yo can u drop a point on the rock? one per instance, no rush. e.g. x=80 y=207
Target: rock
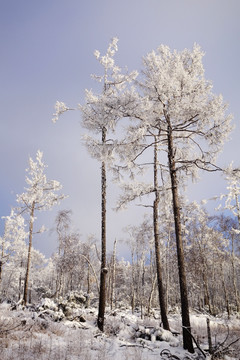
x=78 y=298
x=82 y=318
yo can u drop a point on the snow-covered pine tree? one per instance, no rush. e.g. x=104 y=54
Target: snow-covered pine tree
x=175 y=102
x=40 y=195
x=100 y=118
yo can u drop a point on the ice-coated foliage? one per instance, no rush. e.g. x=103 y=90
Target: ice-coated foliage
x=230 y=200
x=14 y=232
x=99 y=111
x=40 y=191
x=132 y=191
x=172 y=92
x=200 y=233
x=233 y=187
x=13 y=254
x=60 y=108
x=14 y=257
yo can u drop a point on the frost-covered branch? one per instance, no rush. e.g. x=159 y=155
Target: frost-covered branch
x=60 y=108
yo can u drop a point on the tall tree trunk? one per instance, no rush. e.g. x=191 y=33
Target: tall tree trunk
x=234 y=277
x=225 y=292
x=88 y=280
x=162 y=302
x=19 y=286
x=2 y=256
x=149 y=306
x=132 y=286
x=112 y=296
x=103 y=271
x=167 y=270
x=1 y=265
x=187 y=339
x=207 y=300
x=206 y=291
x=25 y=292
x=142 y=288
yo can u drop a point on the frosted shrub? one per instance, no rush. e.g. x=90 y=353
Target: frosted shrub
x=113 y=326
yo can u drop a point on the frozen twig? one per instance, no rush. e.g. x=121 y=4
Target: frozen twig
x=195 y=342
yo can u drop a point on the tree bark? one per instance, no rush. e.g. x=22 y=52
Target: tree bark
x=25 y=292
x=132 y=285
x=187 y=339
x=207 y=300
x=234 y=277
x=112 y=288
x=2 y=256
x=19 y=286
x=225 y=292
x=151 y=295
x=103 y=271
x=206 y=290
x=162 y=302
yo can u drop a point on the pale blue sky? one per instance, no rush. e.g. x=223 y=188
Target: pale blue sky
x=47 y=55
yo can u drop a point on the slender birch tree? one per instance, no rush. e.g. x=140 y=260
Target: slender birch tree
x=40 y=195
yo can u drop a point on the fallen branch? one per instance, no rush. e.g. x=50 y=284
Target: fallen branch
x=142 y=345
x=22 y=324
x=166 y=354
x=226 y=349
x=195 y=342
x=218 y=350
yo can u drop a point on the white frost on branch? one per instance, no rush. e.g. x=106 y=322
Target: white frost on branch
x=14 y=225
x=232 y=198
x=132 y=191
x=99 y=111
x=14 y=232
x=60 y=108
x=40 y=193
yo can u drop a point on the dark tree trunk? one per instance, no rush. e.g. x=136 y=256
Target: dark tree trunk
x=103 y=272
x=19 y=286
x=187 y=339
x=2 y=257
x=234 y=276
x=112 y=287
x=132 y=286
x=88 y=280
x=25 y=292
x=162 y=301
x=1 y=265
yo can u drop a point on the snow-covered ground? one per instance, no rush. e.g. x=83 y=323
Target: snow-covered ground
x=46 y=334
